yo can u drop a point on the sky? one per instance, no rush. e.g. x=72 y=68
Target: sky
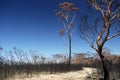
x=32 y=25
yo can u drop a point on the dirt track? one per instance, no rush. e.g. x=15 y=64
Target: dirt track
x=75 y=75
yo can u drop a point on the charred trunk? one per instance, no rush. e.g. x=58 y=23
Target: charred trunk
x=69 y=62
x=105 y=69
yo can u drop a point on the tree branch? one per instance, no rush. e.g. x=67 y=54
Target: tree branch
x=114 y=35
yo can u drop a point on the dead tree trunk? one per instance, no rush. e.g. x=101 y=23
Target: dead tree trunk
x=105 y=69
x=69 y=62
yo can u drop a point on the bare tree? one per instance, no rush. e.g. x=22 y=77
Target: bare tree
x=101 y=27
x=67 y=15
x=58 y=58
x=43 y=59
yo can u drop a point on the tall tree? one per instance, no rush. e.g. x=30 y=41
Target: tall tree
x=67 y=15
x=102 y=25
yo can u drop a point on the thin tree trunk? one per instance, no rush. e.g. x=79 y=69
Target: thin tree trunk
x=69 y=62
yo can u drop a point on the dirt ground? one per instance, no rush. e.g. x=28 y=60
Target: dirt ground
x=75 y=75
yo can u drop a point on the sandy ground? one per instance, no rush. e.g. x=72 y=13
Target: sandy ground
x=75 y=75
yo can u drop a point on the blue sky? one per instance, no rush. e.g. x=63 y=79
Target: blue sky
x=32 y=25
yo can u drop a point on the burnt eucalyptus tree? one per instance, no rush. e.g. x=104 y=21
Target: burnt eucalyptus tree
x=67 y=14
x=102 y=25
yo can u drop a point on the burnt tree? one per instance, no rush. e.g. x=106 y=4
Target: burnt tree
x=67 y=14
x=100 y=25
